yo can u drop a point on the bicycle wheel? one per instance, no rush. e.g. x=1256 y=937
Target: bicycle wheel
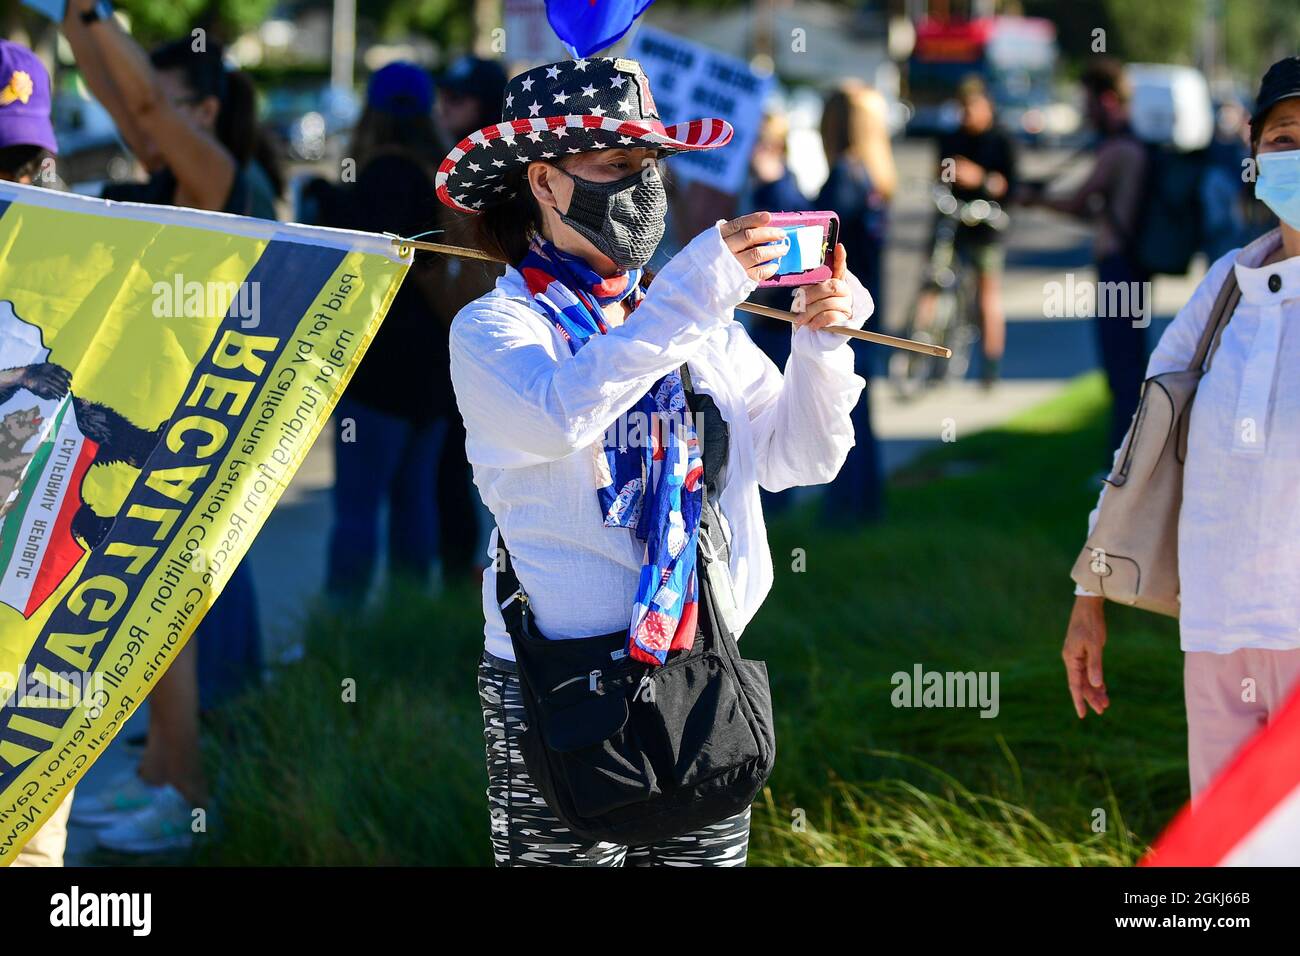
x=963 y=330
x=910 y=372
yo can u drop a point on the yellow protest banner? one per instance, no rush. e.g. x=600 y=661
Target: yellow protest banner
x=163 y=373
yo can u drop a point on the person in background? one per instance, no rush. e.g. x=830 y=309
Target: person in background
x=27 y=146
x=469 y=95
x=977 y=161
x=773 y=185
x=1113 y=192
x=469 y=98
x=861 y=182
x=1224 y=193
x=393 y=418
x=1239 y=524
x=773 y=188
x=192 y=124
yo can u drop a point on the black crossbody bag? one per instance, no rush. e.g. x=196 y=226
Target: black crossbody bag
x=632 y=754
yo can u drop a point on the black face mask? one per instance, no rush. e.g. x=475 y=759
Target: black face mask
x=623 y=219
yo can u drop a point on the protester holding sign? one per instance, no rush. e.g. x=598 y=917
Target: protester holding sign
x=558 y=371
x=192 y=123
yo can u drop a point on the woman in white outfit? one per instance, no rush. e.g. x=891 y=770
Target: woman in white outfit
x=1239 y=528
x=567 y=190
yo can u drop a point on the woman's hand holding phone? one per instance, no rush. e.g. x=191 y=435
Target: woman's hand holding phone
x=756 y=245
x=829 y=302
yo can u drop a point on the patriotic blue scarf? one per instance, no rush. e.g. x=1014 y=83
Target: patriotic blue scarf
x=649 y=470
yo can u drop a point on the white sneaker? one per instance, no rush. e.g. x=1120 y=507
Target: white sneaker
x=163 y=824
x=125 y=794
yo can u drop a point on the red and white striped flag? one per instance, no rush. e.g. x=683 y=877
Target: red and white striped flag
x=1250 y=815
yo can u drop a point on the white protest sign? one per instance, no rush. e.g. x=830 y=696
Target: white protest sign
x=691 y=81
x=529 y=37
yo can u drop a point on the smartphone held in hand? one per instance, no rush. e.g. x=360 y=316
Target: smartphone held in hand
x=812 y=237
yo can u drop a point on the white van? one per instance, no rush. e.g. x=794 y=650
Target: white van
x=1171 y=106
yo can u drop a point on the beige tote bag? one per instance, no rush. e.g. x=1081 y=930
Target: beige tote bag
x=1132 y=553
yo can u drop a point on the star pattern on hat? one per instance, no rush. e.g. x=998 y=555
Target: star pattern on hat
x=548 y=112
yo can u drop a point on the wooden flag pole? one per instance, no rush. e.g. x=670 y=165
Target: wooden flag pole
x=404 y=246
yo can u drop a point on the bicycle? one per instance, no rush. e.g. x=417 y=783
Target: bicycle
x=955 y=323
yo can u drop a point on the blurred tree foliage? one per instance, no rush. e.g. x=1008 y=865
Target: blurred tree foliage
x=450 y=21
x=1254 y=33
x=153 y=21
x=1157 y=31
x=1154 y=31
x=1259 y=32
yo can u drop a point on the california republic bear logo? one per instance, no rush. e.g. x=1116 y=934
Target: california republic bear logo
x=49 y=439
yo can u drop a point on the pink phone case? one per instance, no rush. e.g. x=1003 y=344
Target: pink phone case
x=830 y=224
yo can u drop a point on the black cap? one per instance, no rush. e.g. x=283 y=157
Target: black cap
x=1281 y=82
x=485 y=80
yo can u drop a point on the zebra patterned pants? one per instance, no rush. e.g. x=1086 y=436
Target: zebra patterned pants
x=526 y=833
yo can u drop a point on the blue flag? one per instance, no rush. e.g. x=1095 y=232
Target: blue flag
x=50 y=8
x=589 y=26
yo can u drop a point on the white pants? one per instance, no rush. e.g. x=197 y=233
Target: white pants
x=45 y=848
x=1230 y=697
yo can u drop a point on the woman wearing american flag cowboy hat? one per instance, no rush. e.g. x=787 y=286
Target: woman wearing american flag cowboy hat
x=551 y=366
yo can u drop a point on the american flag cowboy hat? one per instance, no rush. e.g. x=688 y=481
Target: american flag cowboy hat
x=552 y=111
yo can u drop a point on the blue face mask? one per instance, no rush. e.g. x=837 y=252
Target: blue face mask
x=1278 y=187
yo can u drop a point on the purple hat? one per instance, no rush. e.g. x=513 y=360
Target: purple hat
x=24 y=99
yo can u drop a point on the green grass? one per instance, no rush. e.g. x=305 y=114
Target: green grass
x=969 y=573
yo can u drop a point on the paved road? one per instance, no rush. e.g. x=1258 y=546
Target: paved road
x=1042 y=354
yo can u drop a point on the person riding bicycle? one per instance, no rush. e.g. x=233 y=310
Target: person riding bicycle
x=976 y=161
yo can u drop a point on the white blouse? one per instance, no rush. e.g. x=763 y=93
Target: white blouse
x=535 y=417
x=1239 y=529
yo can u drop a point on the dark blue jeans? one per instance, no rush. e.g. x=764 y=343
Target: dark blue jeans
x=773 y=337
x=229 y=640
x=1121 y=342
x=393 y=460
x=858 y=491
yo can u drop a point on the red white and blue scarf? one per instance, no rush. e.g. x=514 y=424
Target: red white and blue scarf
x=649 y=470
